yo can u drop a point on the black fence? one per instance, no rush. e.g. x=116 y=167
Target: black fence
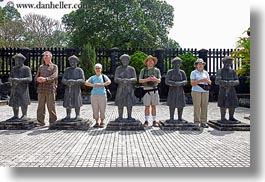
x=109 y=58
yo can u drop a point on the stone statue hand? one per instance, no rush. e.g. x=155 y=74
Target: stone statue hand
x=223 y=83
x=14 y=81
x=125 y=81
x=71 y=82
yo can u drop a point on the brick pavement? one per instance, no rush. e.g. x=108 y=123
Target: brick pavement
x=153 y=147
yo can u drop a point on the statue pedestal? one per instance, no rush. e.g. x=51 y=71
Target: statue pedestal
x=125 y=124
x=228 y=125
x=71 y=124
x=18 y=124
x=178 y=125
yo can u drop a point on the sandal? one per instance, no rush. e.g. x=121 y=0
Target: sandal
x=38 y=124
x=102 y=125
x=155 y=124
x=96 y=125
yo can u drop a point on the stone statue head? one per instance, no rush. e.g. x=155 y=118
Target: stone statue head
x=73 y=61
x=125 y=59
x=176 y=62
x=227 y=61
x=19 y=59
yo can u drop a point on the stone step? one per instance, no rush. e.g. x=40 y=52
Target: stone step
x=125 y=125
x=228 y=127
x=181 y=126
x=18 y=124
x=71 y=125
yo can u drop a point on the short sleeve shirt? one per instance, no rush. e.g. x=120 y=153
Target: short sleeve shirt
x=198 y=75
x=145 y=73
x=98 y=79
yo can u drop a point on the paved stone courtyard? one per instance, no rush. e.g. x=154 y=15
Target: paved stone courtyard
x=97 y=147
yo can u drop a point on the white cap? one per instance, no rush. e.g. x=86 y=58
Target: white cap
x=98 y=65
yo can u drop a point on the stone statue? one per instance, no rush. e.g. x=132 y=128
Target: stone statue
x=125 y=77
x=176 y=79
x=227 y=79
x=73 y=78
x=19 y=78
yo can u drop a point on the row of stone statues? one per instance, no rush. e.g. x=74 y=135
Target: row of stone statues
x=125 y=77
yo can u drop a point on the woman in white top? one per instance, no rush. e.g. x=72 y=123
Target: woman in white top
x=200 y=82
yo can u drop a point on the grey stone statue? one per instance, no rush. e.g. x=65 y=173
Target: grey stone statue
x=19 y=78
x=176 y=79
x=125 y=77
x=227 y=79
x=73 y=78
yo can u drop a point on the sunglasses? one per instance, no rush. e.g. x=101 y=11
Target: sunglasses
x=97 y=68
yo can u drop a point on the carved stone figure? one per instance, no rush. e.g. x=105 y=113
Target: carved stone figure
x=73 y=78
x=176 y=79
x=227 y=79
x=125 y=77
x=19 y=78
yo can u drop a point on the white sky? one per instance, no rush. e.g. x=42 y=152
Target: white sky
x=197 y=23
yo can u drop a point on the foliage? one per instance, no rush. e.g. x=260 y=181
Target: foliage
x=42 y=31
x=9 y=13
x=123 y=24
x=32 y=31
x=11 y=27
x=88 y=60
x=137 y=61
x=87 y=63
x=187 y=64
x=243 y=53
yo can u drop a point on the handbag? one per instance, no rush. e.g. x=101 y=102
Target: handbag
x=109 y=95
x=205 y=87
x=139 y=92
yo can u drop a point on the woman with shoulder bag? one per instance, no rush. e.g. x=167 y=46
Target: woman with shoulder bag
x=200 y=82
x=98 y=94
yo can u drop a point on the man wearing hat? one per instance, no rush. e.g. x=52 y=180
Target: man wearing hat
x=125 y=77
x=20 y=76
x=47 y=79
x=200 y=82
x=176 y=79
x=73 y=78
x=227 y=79
x=150 y=77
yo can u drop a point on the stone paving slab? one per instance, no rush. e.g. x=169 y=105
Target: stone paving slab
x=98 y=147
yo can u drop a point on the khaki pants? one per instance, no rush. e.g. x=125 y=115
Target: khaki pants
x=48 y=99
x=99 y=103
x=200 y=103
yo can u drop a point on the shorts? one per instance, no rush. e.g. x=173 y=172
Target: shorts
x=151 y=98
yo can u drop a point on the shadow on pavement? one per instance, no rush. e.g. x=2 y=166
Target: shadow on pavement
x=40 y=131
x=99 y=131
x=191 y=132
x=160 y=132
x=12 y=132
x=220 y=133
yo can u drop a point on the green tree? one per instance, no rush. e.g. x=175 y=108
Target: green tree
x=243 y=53
x=137 y=61
x=88 y=60
x=187 y=64
x=87 y=63
x=122 y=24
x=11 y=28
